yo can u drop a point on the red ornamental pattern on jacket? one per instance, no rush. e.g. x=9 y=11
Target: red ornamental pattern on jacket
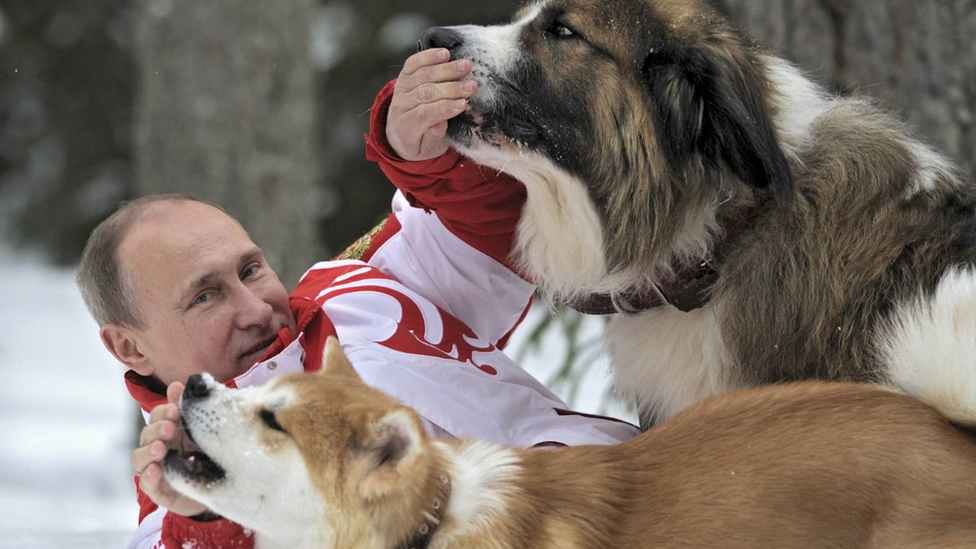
x=415 y=326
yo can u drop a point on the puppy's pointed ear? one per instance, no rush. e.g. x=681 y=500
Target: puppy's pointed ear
x=389 y=453
x=334 y=360
x=708 y=99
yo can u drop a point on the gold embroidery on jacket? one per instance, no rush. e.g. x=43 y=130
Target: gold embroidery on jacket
x=358 y=248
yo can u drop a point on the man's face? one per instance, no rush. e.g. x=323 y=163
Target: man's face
x=209 y=300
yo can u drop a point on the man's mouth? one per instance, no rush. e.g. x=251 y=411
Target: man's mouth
x=257 y=352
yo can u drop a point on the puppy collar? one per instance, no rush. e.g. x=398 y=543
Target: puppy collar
x=431 y=516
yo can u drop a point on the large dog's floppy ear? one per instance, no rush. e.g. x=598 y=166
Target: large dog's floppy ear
x=390 y=449
x=334 y=360
x=709 y=102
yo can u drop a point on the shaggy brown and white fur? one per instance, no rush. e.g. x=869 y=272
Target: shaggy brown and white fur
x=654 y=139
x=322 y=461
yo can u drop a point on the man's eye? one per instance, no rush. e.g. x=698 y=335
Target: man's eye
x=249 y=271
x=270 y=421
x=202 y=298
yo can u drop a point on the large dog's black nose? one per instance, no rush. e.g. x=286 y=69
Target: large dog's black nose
x=196 y=387
x=439 y=37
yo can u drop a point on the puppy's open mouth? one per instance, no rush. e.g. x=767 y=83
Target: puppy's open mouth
x=194 y=466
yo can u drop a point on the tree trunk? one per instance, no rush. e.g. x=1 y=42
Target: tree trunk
x=916 y=56
x=225 y=112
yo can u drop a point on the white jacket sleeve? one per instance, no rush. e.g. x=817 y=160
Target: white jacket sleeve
x=476 y=289
x=149 y=533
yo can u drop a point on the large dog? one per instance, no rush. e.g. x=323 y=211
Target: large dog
x=324 y=461
x=788 y=233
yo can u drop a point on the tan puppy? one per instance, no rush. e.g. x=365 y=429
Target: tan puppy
x=324 y=461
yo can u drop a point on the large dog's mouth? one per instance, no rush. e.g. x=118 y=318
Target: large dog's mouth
x=492 y=127
x=194 y=466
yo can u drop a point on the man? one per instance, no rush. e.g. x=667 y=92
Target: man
x=178 y=288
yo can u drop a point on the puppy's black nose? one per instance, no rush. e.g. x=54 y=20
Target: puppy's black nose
x=439 y=37
x=196 y=387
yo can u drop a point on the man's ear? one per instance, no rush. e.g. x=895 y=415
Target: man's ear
x=124 y=346
x=334 y=361
x=389 y=453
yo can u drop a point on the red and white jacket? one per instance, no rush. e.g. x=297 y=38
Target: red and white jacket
x=422 y=313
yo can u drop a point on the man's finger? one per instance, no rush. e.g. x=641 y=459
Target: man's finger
x=161 y=429
x=152 y=482
x=164 y=412
x=424 y=58
x=434 y=114
x=438 y=130
x=444 y=101
x=434 y=74
x=429 y=93
x=174 y=391
x=144 y=456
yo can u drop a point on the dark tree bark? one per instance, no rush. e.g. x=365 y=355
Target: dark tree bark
x=916 y=56
x=225 y=111
x=65 y=120
x=374 y=37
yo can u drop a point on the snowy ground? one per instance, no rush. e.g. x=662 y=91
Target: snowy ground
x=68 y=425
x=65 y=420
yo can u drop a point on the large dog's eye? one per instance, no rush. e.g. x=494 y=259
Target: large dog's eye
x=559 y=29
x=269 y=419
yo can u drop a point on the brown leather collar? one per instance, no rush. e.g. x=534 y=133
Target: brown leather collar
x=431 y=517
x=689 y=288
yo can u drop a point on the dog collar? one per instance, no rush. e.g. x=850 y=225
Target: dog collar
x=689 y=287
x=431 y=517
x=687 y=290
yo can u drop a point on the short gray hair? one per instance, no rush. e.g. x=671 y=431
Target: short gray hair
x=106 y=284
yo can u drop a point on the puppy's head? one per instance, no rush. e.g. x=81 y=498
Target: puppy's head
x=656 y=107
x=306 y=456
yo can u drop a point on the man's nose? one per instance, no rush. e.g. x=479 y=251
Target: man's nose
x=253 y=311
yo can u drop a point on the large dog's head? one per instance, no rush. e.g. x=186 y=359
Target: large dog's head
x=657 y=110
x=304 y=459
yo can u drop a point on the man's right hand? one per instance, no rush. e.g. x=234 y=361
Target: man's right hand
x=162 y=433
x=430 y=90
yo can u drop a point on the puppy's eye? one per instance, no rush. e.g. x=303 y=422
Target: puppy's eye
x=269 y=419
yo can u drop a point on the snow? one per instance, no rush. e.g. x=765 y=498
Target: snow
x=66 y=421
x=68 y=425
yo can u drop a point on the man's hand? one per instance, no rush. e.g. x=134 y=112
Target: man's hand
x=428 y=92
x=163 y=432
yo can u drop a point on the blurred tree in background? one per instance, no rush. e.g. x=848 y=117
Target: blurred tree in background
x=66 y=93
x=225 y=110
x=80 y=91
x=86 y=120
x=916 y=56
x=70 y=77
